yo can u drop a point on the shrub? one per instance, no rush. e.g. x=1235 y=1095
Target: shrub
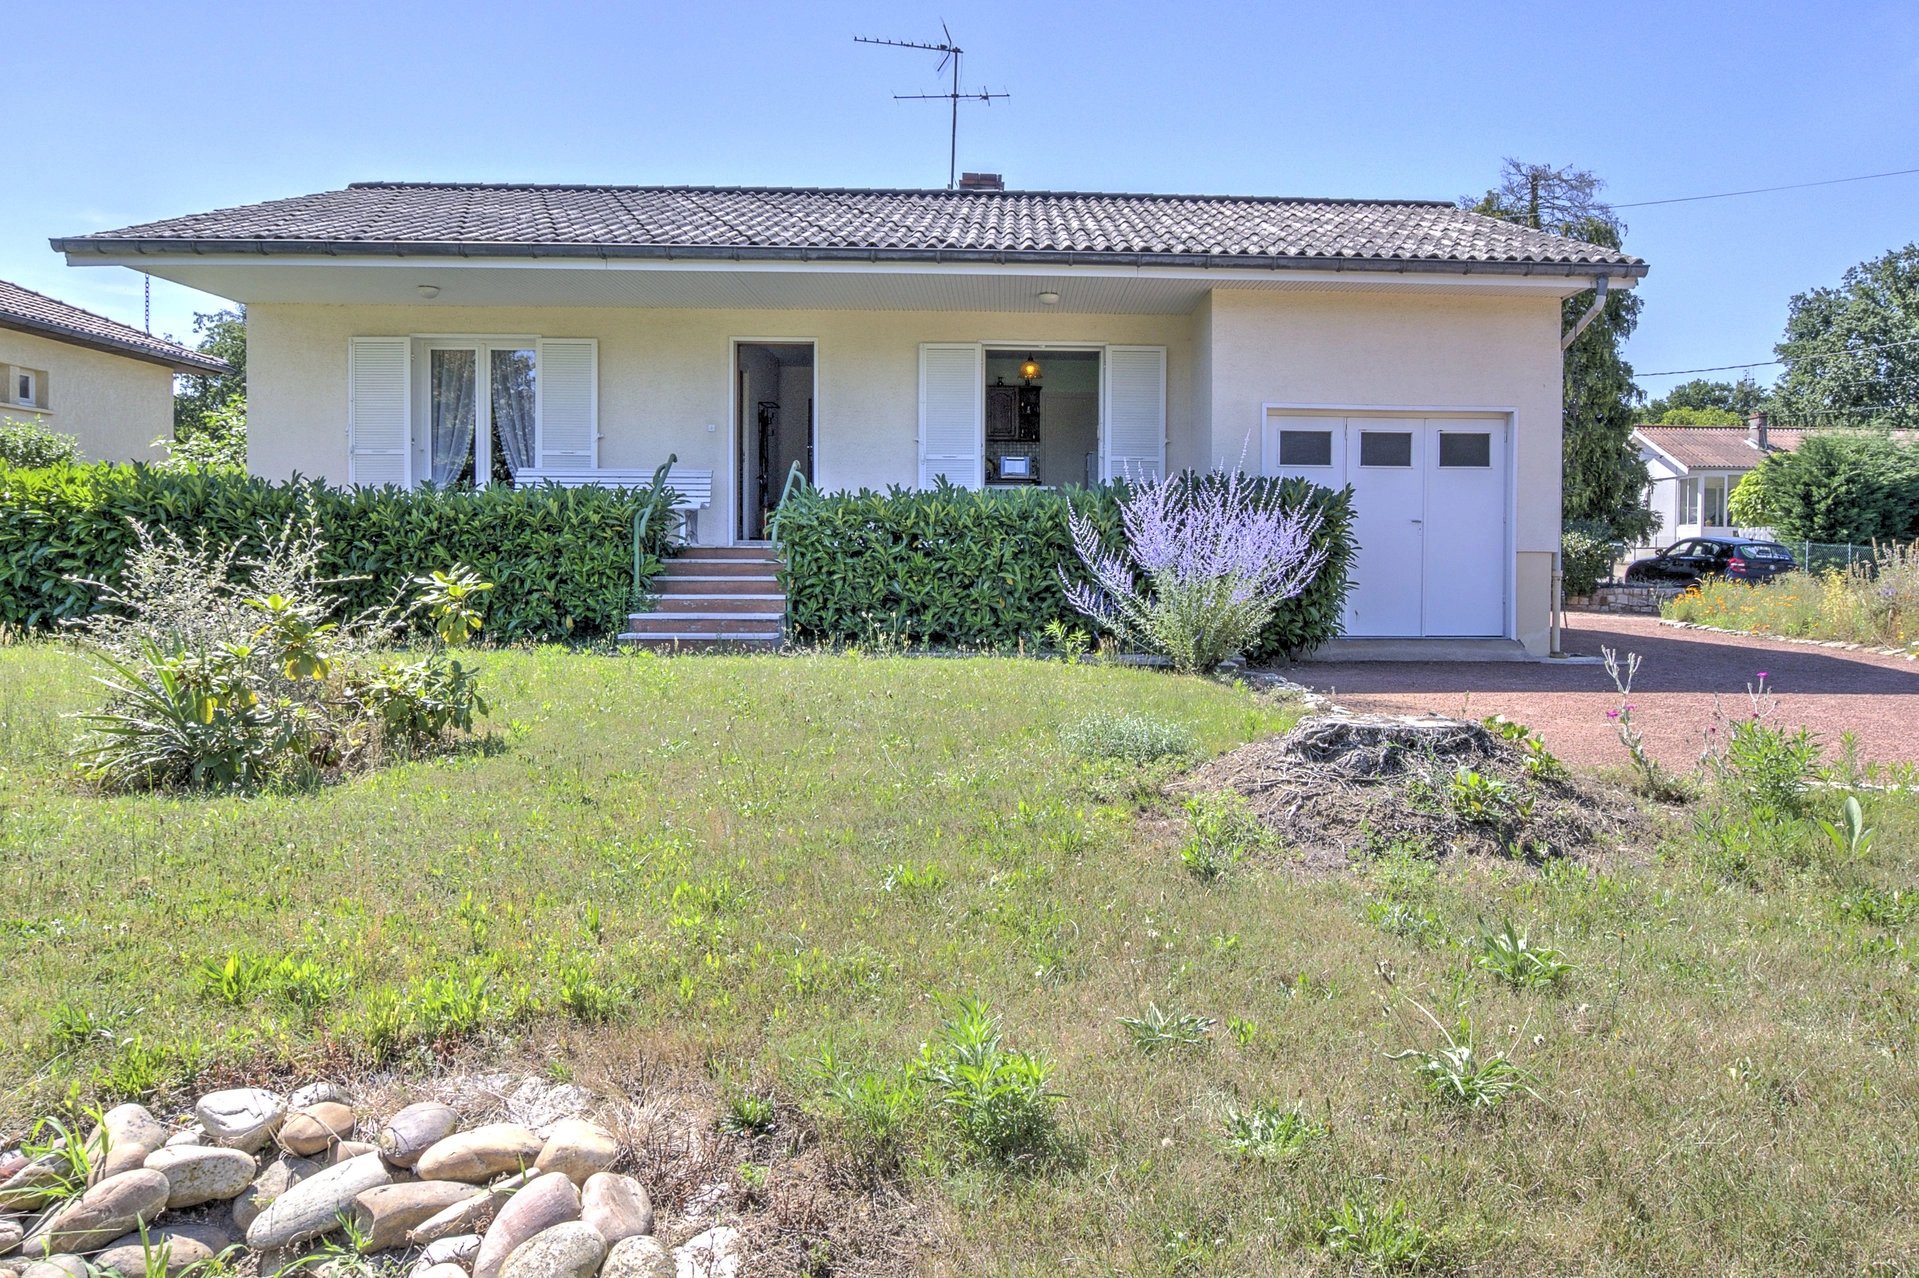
x=998 y=1099
x=219 y=442
x=31 y=445
x=1207 y=560
x=562 y=557
x=1131 y=738
x=963 y=568
x=1844 y=486
x=1585 y=559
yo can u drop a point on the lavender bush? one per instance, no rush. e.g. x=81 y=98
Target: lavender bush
x=1207 y=560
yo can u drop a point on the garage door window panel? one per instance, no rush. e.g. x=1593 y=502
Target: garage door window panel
x=1386 y=449
x=1308 y=448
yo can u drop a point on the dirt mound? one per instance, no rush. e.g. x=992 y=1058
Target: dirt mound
x=1341 y=785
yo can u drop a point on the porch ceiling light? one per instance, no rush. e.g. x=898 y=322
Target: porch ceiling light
x=429 y=291
x=1049 y=298
x=1029 y=371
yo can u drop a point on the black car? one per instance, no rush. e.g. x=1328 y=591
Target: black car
x=1697 y=557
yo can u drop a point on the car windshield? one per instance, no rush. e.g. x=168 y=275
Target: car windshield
x=1764 y=550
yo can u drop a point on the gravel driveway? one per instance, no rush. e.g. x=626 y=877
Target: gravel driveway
x=1684 y=675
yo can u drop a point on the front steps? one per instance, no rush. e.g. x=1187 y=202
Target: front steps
x=714 y=596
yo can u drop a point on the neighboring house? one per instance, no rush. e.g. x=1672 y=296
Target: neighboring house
x=405 y=332
x=107 y=384
x=1694 y=469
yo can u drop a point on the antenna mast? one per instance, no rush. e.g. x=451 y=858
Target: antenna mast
x=949 y=52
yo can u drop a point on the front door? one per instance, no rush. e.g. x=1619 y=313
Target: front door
x=773 y=392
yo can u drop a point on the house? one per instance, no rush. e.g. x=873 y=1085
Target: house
x=400 y=333
x=107 y=384
x=1693 y=470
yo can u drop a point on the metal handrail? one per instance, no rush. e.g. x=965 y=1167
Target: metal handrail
x=793 y=476
x=643 y=518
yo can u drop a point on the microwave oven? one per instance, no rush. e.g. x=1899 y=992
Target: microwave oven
x=1018 y=466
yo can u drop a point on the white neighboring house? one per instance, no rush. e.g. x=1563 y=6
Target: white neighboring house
x=107 y=384
x=402 y=333
x=1694 y=469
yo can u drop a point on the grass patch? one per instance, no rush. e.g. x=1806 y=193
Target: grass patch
x=901 y=926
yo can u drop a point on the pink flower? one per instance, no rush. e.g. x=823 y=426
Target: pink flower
x=1612 y=714
x=1762 y=674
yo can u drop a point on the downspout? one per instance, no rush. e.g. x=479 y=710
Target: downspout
x=1592 y=312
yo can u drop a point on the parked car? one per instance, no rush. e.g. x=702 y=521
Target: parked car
x=1697 y=557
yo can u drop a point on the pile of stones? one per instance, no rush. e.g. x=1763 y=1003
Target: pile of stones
x=307 y=1183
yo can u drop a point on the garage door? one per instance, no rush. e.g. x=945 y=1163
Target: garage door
x=1430 y=505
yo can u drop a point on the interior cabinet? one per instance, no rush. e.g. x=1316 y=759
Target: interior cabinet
x=1012 y=414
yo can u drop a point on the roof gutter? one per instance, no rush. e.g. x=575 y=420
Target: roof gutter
x=1592 y=312
x=89 y=246
x=187 y=362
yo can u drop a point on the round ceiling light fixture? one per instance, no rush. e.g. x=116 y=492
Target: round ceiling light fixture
x=429 y=291
x=1030 y=369
x=1049 y=298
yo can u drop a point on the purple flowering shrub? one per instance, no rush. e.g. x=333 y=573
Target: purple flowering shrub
x=1206 y=562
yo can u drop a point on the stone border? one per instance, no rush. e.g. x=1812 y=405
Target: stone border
x=1837 y=644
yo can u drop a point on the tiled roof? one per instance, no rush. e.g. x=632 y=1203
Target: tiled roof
x=1716 y=447
x=24 y=310
x=398 y=218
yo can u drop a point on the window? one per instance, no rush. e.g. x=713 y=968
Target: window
x=1385 y=448
x=1713 y=501
x=1688 y=501
x=1305 y=448
x=479 y=399
x=26 y=387
x=1465 y=448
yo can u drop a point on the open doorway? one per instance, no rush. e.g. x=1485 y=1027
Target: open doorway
x=1042 y=417
x=773 y=394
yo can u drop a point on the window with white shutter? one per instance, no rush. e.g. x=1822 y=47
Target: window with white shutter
x=1133 y=438
x=379 y=400
x=952 y=414
x=568 y=391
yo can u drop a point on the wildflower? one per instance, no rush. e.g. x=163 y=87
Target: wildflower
x=1612 y=714
x=1762 y=674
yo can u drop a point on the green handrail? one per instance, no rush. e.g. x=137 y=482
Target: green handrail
x=642 y=520
x=793 y=475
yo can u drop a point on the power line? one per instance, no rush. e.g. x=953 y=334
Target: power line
x=1763 y=190
x=1765 y=363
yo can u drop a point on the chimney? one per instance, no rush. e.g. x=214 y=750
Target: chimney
x=982 y=182
x=1756 y=431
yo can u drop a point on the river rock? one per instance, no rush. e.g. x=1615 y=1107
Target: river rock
x=309 y=1208
x=317 y=1093
x=104 y=1212
x=414 y=1130
x=201 y=1173
x=549 y=1200
x=577 y=1148
x=185 y=1247
x=386 y=1213
x=33 y=1186
x=131 y=1133
x=56 y=1267
x=445 y=1269
x=480 y=1154
x=242 y=1117
x=718 y=1253
x=311 y=1130
x=275 y=1179
x=469 y=1216
x=11 y=1232
x=617 y=1206
x=641 y=1256
x=572 y=1250
x=191 y=1136
x=459 y=1249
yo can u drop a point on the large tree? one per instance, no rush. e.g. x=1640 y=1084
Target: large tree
x=203 y=401
x=1702 y=402
x=1852 y=352
x=1603 y=474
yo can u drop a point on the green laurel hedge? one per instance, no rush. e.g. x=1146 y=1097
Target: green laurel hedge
x=561 y=559
x=954 y=567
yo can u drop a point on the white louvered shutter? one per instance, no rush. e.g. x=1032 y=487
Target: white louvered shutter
x=952 y=414
x=567 y=392
x=1133 y=443
x=378 y=410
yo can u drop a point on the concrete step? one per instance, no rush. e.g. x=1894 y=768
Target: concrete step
x=725 y=623
x=773 y=605
x=706 y=584
x=727 y=552
x=700 y=642
x=681 y=566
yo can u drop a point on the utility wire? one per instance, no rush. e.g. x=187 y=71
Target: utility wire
x=1763 y=190
x=1764 y=363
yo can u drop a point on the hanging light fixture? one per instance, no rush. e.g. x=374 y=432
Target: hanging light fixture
x=1029 y=371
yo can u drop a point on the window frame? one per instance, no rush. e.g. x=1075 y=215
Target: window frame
x=420 y=443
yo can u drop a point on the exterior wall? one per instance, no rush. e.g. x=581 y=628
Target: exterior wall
x=666 y=379
x=114 y=405
x=1357 y=350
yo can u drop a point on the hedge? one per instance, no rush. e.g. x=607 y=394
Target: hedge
x=561 y=559
x=955 y=567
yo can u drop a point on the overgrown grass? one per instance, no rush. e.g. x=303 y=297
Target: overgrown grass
x=807 y=877
x=1869 y=604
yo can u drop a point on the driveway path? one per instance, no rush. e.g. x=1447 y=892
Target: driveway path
x=1683 y=674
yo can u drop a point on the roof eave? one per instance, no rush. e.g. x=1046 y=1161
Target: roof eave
x=85 y=246
x=186 y=363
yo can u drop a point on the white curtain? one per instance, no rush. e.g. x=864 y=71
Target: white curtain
x=512 y=403
x=452 y=387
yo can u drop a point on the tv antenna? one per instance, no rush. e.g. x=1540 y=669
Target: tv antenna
x=949 y=52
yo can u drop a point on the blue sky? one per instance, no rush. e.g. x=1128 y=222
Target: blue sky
x=118 y=113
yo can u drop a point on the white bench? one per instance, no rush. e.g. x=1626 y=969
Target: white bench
x=694 y=485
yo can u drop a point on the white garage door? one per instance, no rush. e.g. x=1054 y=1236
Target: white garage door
x=1430 y=505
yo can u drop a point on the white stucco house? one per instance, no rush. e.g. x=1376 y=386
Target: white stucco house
x=406 y=332
x=105 y=383
x=1693 y=469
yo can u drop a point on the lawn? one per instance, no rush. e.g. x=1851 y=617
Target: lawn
x=774 y=875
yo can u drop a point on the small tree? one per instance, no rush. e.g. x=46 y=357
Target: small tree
x=1217 y=557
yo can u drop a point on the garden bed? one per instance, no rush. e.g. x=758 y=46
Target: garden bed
x=1340 y=785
